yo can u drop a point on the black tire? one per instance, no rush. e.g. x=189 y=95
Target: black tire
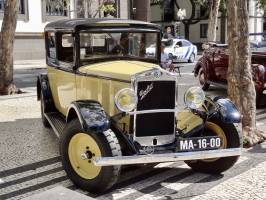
x=202 y=81
x=260 y=102
x=191 y=58
x=219 y=165
x=108 y=145
x=44 y=109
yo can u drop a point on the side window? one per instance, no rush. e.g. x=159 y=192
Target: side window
x=65 y=47
x=185 y=43
x=50 y=47
x=179 y=44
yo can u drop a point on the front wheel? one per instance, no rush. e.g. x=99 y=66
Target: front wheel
x=78 y=148
x=191 y=58
x=202 y=80
x=230 y=139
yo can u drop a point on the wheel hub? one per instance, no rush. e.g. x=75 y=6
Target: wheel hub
x=82 y=148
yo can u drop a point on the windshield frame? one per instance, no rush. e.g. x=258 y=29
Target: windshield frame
x=80 y=63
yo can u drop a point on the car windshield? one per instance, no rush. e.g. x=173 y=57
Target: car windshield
x=117 y=45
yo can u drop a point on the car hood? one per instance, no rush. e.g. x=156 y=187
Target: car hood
x=121 y=70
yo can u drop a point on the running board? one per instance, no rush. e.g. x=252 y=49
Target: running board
x=57 y=122
x=167 y=157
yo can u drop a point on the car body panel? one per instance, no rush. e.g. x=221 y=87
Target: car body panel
x=63 y=87
x=100 y=90
x=122 y=70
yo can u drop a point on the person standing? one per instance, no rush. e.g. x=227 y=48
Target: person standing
x=168 y=33
x=166 y=62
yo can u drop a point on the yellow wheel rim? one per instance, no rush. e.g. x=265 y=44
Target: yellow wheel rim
x=218 y=131
x=83 y=144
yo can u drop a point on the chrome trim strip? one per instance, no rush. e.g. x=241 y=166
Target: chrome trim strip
x=153 y=111
x=167 y=157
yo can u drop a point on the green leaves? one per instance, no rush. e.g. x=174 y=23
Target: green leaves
x=261 y=4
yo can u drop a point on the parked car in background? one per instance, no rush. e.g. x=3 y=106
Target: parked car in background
x=211 y=68
x=180 y=50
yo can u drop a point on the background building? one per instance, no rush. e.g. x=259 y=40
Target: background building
x=35 y=14
x=195 y=23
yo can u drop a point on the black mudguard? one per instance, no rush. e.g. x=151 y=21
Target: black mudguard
x=44 y=88
x=228 y=111
x=91 y=115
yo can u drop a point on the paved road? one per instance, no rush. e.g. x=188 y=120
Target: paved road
x=30 y=162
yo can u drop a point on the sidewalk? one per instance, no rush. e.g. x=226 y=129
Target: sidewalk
x=29 y=64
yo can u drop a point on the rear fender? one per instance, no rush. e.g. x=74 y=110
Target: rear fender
x=91 y=115
x=44 y=88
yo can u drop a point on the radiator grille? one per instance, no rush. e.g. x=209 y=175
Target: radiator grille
x=153 y=95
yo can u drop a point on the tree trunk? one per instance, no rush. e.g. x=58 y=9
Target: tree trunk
x=6 y=47
x=241 y=87
x=143 y=11
x=214 y=10
x=186 y=26
x=80 y=9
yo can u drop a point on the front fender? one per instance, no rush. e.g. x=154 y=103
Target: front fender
x=91 y=115
x=228 y=111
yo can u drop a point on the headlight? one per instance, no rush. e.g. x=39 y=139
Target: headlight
x=126 y=100
x=194 y=97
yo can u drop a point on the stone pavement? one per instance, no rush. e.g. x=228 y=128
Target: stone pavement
x=59 y=193
x=30 y=162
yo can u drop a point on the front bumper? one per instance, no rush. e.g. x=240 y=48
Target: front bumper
x=167 y=157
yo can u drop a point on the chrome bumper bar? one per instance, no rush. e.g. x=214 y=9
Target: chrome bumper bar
x=167 y=157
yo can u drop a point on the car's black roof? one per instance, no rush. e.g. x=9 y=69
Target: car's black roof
x=74 y=24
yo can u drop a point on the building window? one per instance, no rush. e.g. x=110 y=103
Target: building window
x=21 y=6
x=53 y=10
x=22 y=9
x=1 y=5
x=203 y=30
x=56 y=8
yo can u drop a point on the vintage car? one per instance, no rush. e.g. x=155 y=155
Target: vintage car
x=179 y=49
x=111 y=105
x=211 y=68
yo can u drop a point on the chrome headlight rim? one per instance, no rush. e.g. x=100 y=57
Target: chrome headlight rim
x=129 y=91
x=191 y=104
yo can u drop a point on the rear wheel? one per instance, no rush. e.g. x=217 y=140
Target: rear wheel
x=78 y=148
x=191 y=58
x=230 y=139
x=44 y=108
x=202 y=80
x=260 y=100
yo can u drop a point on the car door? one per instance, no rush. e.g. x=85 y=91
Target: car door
x=220 y=64
x=178 y=49
x=61 y=75
x=187 y=49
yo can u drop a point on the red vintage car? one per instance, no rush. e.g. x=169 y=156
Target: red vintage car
x=211 y=68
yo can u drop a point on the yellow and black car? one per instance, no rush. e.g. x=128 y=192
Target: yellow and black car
x=111 y=104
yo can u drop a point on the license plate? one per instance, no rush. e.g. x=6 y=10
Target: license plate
x=199 y=143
